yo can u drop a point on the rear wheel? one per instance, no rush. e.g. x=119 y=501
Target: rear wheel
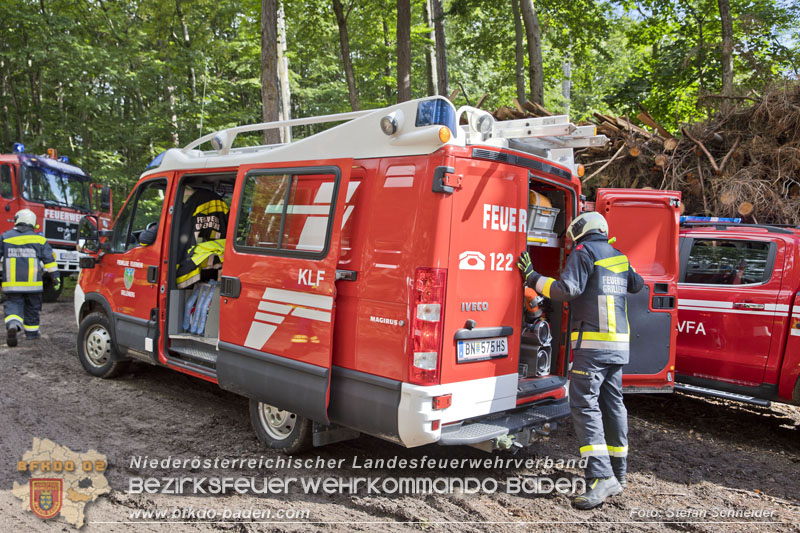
x=50 y=293
x=96 y=349
x=279 y=429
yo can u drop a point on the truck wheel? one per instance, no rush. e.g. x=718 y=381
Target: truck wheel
x=279 y=429
x=96 y=350
x=50 y=294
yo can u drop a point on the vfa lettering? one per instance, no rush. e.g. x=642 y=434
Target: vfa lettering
x=690 y=326
x=501 y=218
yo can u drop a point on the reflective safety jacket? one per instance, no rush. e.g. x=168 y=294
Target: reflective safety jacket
x=22 y=251
x=206 y=255
x=596 y=279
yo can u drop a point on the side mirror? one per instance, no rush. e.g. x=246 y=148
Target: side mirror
x=88 y=236
x=105 y=199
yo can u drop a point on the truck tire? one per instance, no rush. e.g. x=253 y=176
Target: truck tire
x=279 y=429
x=49 y=293
x=96 y=349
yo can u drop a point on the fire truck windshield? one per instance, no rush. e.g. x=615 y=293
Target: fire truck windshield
x=55 y=188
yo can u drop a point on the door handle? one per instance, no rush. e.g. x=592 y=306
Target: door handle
x=231 y=287
x=747 y=305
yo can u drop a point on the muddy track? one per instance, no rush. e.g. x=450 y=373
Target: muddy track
x=688 y=455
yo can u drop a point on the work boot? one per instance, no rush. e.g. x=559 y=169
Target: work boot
x=599 y=490
x=621 y=479
x=33 y=336
x=11 y=336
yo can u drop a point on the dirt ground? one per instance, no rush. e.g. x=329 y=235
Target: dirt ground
x=694 y=463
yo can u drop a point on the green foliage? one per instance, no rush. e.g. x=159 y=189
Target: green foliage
x=113 y=83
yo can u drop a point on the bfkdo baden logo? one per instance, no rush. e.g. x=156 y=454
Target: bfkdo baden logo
x=46 y=497
x=62 y=482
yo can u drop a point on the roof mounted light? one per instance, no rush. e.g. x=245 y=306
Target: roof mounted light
x=392 y=122
x=19 y=148
x=64 y=159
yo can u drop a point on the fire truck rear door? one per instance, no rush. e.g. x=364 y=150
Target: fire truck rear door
x=646 y=226
x=278 y=283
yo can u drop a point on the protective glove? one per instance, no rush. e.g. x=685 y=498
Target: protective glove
x=529 y=275
x=55 y=277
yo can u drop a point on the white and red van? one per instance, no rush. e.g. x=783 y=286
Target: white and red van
x=368 y=281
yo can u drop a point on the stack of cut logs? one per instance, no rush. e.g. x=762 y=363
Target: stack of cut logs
x=744 y=161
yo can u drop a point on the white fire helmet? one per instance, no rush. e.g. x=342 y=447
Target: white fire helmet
x=25 y=216
x=587 y=224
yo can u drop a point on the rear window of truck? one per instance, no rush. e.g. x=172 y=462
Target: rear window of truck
x=728 y=262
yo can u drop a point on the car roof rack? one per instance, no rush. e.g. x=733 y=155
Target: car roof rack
x=726 y=225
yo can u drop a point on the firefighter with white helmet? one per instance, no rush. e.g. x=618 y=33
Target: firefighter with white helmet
x=596 y=279
x=25 y=254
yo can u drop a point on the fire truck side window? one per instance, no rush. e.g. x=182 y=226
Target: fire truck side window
x=284 y=212
x=728 y=262
x=6 y=189
x=146 y=212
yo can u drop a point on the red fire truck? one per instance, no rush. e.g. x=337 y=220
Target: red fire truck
x=60 y=194
x=739 y=312
x=364 y=279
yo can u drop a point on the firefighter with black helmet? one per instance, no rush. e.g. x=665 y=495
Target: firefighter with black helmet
x=25 y=254
x=596 y=279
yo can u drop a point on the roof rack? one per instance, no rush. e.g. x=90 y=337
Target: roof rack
x=725 y=225
x=222 y=140
x=417 y=130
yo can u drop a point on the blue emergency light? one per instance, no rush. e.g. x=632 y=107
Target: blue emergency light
x=64 y=159
x=711 y=219
x=19 y=148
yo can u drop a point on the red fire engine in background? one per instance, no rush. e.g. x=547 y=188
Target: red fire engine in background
x=364 y=278
x=60 y=194
x=739 y=311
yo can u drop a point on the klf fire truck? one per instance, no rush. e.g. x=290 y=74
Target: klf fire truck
x=739 y=311
x=60 y=194
x=363 y=279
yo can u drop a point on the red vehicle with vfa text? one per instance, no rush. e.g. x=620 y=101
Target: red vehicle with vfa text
x=363 y=279
x=739 y=311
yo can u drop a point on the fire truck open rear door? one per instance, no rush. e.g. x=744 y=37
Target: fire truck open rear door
x=646 y=224
x=278 y=283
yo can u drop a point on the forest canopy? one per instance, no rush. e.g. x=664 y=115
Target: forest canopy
x=112 y=83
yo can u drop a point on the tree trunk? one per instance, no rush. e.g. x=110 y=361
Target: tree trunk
x=442 y=77
x=270 y=94
x=344 y=44
x=534 y=51
x=430 y=58
x=187 y=43
x=387 y=73
x=566 y=84
x=519 y=52
x=283 y=77
x=727 y=46
x=173 y=114
x=403 y=50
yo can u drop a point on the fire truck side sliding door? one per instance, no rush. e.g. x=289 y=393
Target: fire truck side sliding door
x=278 y=283
x=646 y=226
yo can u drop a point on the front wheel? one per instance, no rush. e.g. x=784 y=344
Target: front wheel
x=96 y=349
x=279 y=429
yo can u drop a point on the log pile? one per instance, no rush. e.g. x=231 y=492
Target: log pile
x=742 y=162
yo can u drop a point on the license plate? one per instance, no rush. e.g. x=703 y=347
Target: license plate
x=482 y=349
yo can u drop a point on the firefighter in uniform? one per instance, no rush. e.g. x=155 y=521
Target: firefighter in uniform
x=596 y=279
x=22 y=251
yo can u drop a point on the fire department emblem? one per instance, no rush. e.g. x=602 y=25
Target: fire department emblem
x=46 y=497
x=128 y=278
